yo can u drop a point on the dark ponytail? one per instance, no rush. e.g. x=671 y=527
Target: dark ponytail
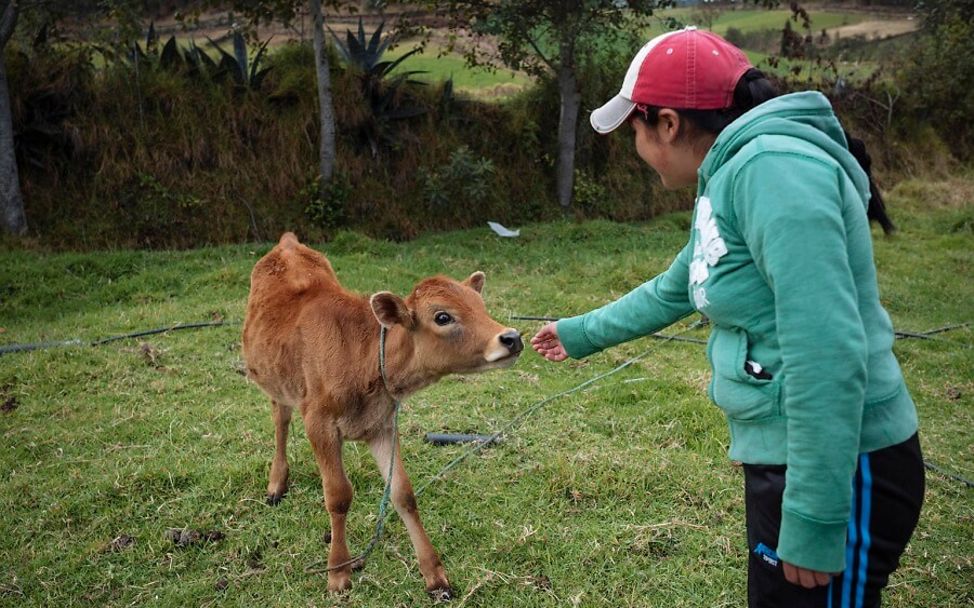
x=753 y=89
x=876 y=211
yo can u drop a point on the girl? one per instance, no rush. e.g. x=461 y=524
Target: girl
x=780 y=260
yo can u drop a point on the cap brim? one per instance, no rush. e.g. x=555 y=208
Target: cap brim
x=612 y=114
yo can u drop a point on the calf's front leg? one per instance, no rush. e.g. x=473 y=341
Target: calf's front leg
x=326 y=442
x=382 y=446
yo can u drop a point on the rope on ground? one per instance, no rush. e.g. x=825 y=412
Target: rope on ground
x=22 y=348
x=941 y=471
x=514 y=422
x=928 y=335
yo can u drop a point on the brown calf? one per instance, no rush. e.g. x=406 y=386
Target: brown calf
x=310 y=344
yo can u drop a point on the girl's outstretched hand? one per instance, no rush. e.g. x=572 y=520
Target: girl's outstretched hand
x=548 y=345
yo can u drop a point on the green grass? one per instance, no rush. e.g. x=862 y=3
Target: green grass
x=618 y=495
x=476 y=82
x=757 y=20
x=752 y=20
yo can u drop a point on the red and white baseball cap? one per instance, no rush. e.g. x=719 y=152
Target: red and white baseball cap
x=688 y=69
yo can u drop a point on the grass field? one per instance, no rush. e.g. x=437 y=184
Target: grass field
x=481 y=83
x=750 y=20
x=617 y=495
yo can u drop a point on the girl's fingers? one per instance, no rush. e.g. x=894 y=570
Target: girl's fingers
x=547 y=344
x=791 y=574
x=805 y=577
x=542 y=335
x=548 y=332
x=554 y=352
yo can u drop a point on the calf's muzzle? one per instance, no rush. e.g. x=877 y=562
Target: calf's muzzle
x=512 y=340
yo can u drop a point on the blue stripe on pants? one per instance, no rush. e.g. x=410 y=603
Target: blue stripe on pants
x=867 y=483
x=850 y=549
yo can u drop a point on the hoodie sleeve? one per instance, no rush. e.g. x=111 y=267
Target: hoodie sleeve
x=653 y=305
x=795 y=229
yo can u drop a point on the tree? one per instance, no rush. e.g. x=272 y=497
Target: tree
x=326 y=108
x=546 y=37
x=285 y=11
x=936 y=81
x=11 y=200
x=40 y=19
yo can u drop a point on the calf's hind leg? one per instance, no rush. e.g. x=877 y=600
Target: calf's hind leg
x=277 y=486
x=404 y=500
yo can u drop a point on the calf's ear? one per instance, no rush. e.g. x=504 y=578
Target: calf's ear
x=390 y=310
x=476 y=281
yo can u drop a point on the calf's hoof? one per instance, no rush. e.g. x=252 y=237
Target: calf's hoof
x=440 y=594
x=437 y=585
x=274 y=499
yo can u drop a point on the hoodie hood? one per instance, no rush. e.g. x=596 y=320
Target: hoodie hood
x=807 y=116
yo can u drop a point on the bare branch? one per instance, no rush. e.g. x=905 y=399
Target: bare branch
x=537 y=50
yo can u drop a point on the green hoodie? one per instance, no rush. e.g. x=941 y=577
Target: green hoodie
x=780 y=259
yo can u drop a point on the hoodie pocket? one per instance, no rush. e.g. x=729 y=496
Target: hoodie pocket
x=741 y=395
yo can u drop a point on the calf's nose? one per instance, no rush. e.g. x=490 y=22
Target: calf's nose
x=512 y=340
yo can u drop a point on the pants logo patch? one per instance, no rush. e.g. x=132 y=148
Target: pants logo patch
x=767 y=554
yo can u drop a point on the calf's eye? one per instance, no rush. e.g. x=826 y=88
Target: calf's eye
x=443 y=318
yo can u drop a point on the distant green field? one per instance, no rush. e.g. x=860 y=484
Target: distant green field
x=751 y=20
x=480 y=82
x=809 y=69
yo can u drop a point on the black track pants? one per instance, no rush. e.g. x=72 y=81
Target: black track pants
x=887 y=494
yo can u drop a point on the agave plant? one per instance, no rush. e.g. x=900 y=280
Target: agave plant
x=198 y=64
x=192 y=61
x=382 y=93
x=366 y=54
x=236 y=64
x=145 y=54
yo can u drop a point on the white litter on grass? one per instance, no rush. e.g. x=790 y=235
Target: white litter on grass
x=502 y=231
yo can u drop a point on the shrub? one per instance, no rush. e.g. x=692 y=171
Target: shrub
x=465 y=180
x=591 y=197
x=326 y=209
x=936 y=82
x=154 y=214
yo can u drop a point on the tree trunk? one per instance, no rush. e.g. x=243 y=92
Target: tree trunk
x=326 y=109
x=571 y=99
x=11 y=201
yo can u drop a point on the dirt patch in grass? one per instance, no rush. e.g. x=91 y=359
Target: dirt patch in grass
x=184 y=537
x=9 y=404
x=119 y=543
